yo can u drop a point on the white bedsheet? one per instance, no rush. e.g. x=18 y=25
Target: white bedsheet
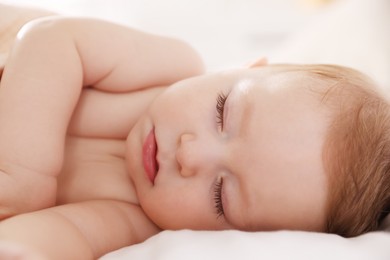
x=195 y=245
x=277 y=245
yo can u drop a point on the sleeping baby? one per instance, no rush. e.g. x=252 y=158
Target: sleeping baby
x=109 y=135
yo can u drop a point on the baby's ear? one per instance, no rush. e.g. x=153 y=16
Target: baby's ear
x=258 y=63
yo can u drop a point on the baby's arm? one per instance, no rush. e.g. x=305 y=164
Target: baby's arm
x=49 y=64
x=85 y=230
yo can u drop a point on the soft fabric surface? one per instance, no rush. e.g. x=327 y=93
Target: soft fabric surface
x=194 y=245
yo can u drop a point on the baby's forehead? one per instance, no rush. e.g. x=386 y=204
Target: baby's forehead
x=282 y=79
x=325 y=83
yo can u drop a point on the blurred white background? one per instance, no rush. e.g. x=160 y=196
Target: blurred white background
x=225 y=32
x=231 y=33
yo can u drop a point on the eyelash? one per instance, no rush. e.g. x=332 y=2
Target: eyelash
x=218 y=198
x=221 y=100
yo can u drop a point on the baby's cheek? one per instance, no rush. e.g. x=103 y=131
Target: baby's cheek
x=165 y=210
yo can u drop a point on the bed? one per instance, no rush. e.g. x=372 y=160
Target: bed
x=353 y=33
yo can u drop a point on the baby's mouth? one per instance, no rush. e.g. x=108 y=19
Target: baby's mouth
x=149 y=156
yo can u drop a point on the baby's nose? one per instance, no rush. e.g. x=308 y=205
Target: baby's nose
x=193 y=154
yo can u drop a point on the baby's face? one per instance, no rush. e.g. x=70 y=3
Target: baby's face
x=240 y=149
